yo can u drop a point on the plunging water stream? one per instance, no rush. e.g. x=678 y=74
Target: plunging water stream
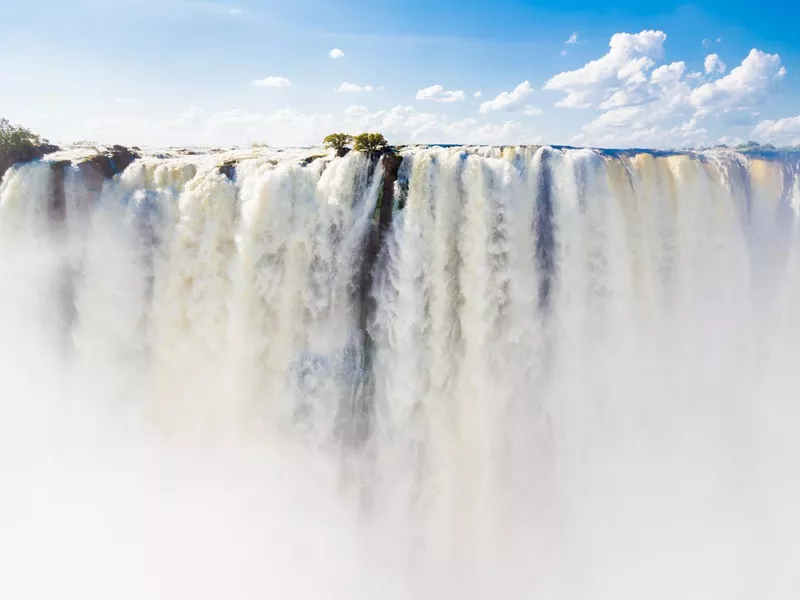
x=559 y=374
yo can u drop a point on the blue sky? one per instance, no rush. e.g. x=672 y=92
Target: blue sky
x=616 y=74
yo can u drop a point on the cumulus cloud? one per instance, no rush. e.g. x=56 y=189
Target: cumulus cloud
x=781 y=131
x=437 y=93
x=745 y=86
x=273 y=82
x=530 y=111
x=626 y=64
x=508 y=100
x=654 y=112
x=713 y=64
x=665 y=105
x=352 y=88
x=478 y=94
x=336 y=53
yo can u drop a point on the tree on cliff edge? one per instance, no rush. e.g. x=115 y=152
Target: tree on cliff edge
x=338 y=141
x=370 y=142
x=15 y=139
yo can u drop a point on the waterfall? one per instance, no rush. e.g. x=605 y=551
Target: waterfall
x=556 y=373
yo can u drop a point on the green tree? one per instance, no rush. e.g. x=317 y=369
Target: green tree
x=338 y=141
x=370 y=142
x=14 y=138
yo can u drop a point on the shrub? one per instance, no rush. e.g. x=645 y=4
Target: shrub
x=370 y=142
x=14 y=139
x=337 y=141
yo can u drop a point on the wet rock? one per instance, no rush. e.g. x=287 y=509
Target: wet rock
x=92 y=175
x=391 y=166
x=114 y=161
x=24 y=154
x=57 y=203
x=342 y=152
x=228 y=168
x=307 y=161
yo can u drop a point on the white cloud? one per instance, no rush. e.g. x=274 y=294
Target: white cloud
x=192 y=114
x=478 y=94
x=572 y=39
x=729 y=140
x=406 y=124
x=353 y=88
x=745 y=86
x=531 y=111
x=437 y=93
x=713 y=64
x=356 y=110
x=292 y=127
x=126 y=100
x=336 y=53
x=273 y=82
x=663 y=105
x=655 y=113
x=627 y=62
x=781 y=131
x=508 y=100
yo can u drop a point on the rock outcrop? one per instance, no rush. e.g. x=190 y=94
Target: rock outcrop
x=113 y=161
x=96 y=169
x=391 y=167
x=23 y=154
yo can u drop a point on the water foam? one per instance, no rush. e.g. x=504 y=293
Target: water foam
x=565 y=374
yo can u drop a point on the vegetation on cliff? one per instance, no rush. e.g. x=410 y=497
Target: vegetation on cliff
x=16 y=139
x=369 y=142
x=19 y=144
x=338 y=141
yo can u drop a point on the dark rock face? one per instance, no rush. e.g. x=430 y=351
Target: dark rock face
x=391 y=166
x=544 y=227
x=114 y=161
x=92 y=175
x=311 y=159
x=96 y=169
x=23 y=155
x=57 y=205
x=228 y=169
x=358 y=416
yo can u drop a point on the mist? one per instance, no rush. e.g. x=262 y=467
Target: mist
x=561 y=374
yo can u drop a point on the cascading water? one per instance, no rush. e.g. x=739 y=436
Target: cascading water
x=558 y=374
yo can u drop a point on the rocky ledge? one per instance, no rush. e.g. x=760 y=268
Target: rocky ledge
x=24 y=154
